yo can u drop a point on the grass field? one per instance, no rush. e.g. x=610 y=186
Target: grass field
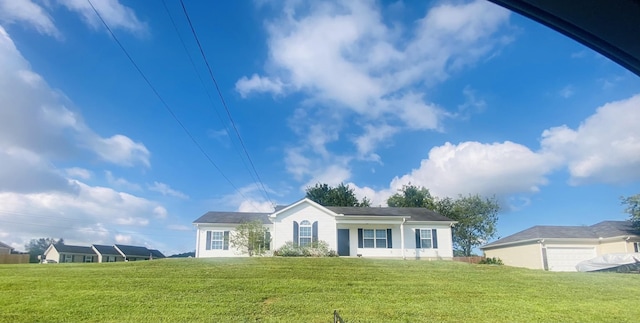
x=308 y=290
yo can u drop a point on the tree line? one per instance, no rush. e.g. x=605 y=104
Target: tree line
x=476 y=216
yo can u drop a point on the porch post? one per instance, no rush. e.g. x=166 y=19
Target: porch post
x=402 y=237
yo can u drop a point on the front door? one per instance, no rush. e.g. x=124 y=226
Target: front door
x=343 y=242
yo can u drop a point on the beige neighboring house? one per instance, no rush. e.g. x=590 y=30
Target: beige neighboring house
x=5 y=249
x=63 y=253
x=561 y=248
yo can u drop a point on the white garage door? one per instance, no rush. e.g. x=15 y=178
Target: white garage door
x=566 y=259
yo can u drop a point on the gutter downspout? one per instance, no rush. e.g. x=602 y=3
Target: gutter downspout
x=402 y=237
x=197 y=241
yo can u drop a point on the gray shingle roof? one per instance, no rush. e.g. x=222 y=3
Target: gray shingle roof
x=416 y=213
x=157 y=254
x=106 y=250
x=4 y=245
x=74 y=249
x=605 y=229
x=134 y=251
x=232 y=217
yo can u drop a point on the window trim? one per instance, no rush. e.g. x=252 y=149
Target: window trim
x=433 y=238
x=376 y=238
x=209 y=239
x=304 y=224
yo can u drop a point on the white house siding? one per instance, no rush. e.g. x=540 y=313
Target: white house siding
x=373 y=252
x=201 y=241
x=52 y=254
x=445 y=241
x=444 y=250
x=283 y=224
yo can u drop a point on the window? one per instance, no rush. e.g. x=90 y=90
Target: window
x=305 y=233
x=636 y=246
x=374 y=238
x=110 y=259
x=68 y=258
x=426 y=239
x=88 y=258
x=217 y=240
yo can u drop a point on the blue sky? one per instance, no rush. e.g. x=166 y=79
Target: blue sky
x=459 y=97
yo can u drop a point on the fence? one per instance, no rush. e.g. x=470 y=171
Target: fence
x=14 y=258
x=471 y=260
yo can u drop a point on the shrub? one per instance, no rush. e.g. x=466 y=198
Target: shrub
x=316 y=249
x=491 y=261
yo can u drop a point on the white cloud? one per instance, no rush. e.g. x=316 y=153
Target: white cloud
x=160 y=212
x=567 y=91
x=166 y=190
x=259 y=84
x=255 y=206
x=351 y=62
x=121 y=150
x=30 y=13
x=249 y=198
x=179 y=227
x=116 y=15
x=476 y=168
x=332 y=175
x=26 y=172
x=120 y=182
x=89 y=214
x=36 y=118
x=373 y=135
x=604 y=148
x=123 y=239
x=78 y=173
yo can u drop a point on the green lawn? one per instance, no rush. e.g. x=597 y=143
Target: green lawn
x=308 y=290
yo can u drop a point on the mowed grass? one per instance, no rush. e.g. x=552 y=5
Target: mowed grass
x=308 y=290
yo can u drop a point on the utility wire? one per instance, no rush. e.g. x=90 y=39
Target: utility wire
x=224 y=104
x=204 y=87
x=164 y=103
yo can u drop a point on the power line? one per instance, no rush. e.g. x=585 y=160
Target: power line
x=164 y=103
x=224 y=104
x=204 y=87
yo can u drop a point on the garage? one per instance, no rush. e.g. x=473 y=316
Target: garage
x=566 y=258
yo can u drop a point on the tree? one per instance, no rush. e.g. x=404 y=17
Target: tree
x=477 y=218
x=341 y=195
x=412 y=196
x=632 y=204
x=251 y=238
x=37 y=247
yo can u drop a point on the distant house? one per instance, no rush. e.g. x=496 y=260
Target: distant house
x=352 y=231
x=134 y=253
x=5 y=248
x=107 y=253
x=561 y=248
x=62 y=253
